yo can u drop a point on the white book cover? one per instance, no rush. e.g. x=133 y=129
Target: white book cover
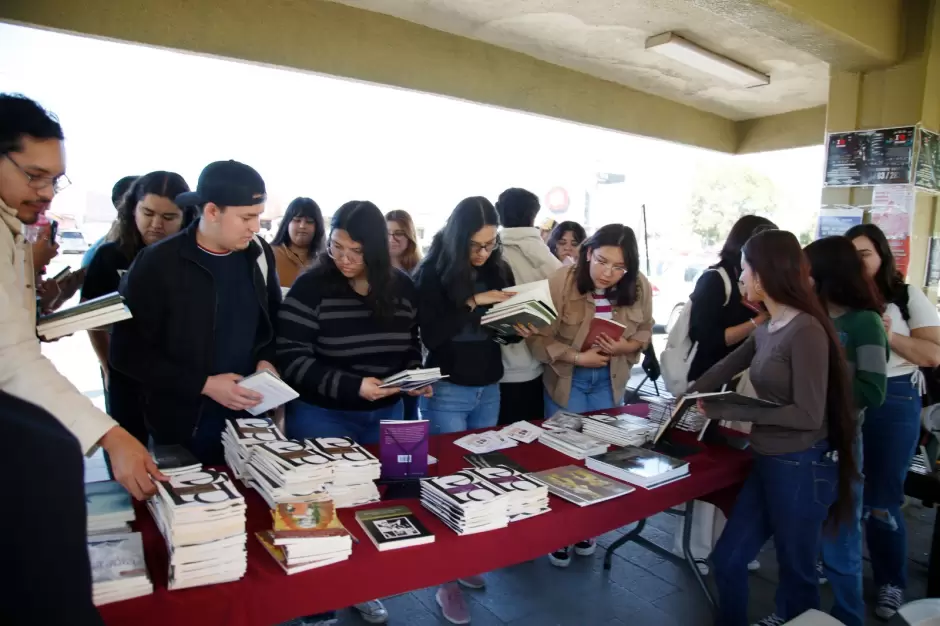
x=523 y=432
x=274 y=391
x=249 y=431
x=343 y=449
x=464 y=489
x=116 y=557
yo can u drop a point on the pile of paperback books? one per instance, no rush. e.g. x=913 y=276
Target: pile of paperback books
x=620 y=430
x=466 y=502
x=527 y=498
x=574 y=444
x=306 y=535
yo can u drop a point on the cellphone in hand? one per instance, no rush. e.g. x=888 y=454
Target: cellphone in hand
x=53 y=230
x=63 y=274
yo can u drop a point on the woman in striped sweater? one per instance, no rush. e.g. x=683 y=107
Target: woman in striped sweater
x=852 y=301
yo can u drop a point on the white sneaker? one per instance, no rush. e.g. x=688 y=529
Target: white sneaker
x=890 y=599
x=372 y=611
x=753 y=566
x=585 y=548
x=560 y=558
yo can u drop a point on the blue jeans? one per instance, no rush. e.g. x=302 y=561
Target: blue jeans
x=890 y=435
x=787 y=497
x=590 y=391
x=304 y=420
x=842 y=560
x=455 y=408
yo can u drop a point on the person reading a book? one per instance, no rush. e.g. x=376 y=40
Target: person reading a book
x=855 y=308
x=147 y=214
x=890 y=432
x=203 y=303
x=460 y=278
x=565 y=241
x=605 y=321
x=299 y=239
x=32 y=171
x=804 y=461
x=520 y=390
x=344 y=325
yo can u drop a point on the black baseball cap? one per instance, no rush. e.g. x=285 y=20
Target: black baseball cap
x=226 y=183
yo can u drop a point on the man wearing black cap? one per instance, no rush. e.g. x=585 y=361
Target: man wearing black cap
x=202 y=302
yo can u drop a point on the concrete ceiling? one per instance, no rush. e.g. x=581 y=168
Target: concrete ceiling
x=606 y=39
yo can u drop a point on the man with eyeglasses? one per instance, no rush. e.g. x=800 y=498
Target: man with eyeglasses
x=203 y=302
x=32 y=171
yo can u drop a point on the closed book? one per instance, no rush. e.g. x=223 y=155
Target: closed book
x=599 y=326
x=84 y=308
x=403 y=448
x=175 y=459
x=393 y=527
x=493 y=459
x=581 y=486
x=307 y=520
x=639 y=466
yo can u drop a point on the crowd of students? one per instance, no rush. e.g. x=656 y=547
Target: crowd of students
x=830 y=334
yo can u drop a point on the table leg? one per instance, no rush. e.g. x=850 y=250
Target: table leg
x=687 y=552
x=633 y=535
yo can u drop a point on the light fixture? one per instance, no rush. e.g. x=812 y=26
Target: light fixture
x=688 y=53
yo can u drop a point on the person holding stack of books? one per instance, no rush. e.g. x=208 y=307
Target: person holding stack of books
x=147 y=214
x=604 y=285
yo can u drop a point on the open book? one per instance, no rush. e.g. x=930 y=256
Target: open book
x=274 y=391
x=99 y=312
x=532 y=304
x=408 y=380
x=690 y=400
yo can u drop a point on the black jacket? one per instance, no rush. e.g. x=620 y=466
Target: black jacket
x=168 y=345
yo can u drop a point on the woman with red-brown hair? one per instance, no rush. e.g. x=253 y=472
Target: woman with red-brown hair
x=804 y=464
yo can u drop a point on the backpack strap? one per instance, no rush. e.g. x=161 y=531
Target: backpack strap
x=727 y=282
x=262 y=260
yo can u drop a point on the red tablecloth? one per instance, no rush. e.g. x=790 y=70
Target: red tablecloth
x=266 y=595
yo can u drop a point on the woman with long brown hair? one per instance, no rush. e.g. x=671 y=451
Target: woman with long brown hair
x=403 y=240
x=804 y=463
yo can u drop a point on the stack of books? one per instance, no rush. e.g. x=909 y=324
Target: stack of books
x=240 y=435
x=563 y=420
x=118 y=569
x=174 y=460
x=532 y=305
x=306 y=535
x=574 y=444
x=620 y=430
x=527 y=498
x=409 y=380
x=289 y=471
x=109 y=508
x=466 y=502
x=202 y=519
x=661 y=410
x=91 y=314
x=355 y=471
x=581 y=486
x=639 y=466
x=487 y=441
x=393 y=528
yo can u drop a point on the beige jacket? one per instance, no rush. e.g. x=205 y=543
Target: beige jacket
x=565 y=336
x=24 y=371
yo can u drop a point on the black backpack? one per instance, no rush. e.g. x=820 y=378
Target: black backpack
x=931 y=374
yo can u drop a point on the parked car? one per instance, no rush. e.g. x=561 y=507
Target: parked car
x=672 y=288
x=72 y=241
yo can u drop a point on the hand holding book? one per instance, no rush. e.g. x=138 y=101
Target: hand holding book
x=224 y=389
x=371 y=389
x=617 y=347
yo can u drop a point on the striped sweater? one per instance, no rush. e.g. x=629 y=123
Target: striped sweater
x=328 y=340
x=862 y=334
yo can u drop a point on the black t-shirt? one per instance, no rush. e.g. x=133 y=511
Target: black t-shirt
x=103 y=275
x=237 y=312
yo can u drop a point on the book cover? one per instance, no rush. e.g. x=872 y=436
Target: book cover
x=522 y=431
x=107 y=498
x=274 y=391
x=537 y=291
x=641 y=462
x=173 y=456
x=112 y=299
x=403 y=448
x=507 y=479
x=205 y=487
x=252 y=430
x=307 y=519
x=493 y=459
x=599 y=325
x=690 y=401
x=341 y=449
x=581 y=486
x=294 y=454
x=393 y=527
x=463 y=488
x=116 y=557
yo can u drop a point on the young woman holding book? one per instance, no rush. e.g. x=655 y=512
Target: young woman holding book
x=605 y=283
x=462 y=276
x=803 y=449
x=890 y=432
x=299 y=239
x=146 y=214
x=855 y=308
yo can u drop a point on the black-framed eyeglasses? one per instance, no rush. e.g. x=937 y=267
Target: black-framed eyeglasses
x=490 y=247
x=399 y=235
x=58 y=183
x=335 y=252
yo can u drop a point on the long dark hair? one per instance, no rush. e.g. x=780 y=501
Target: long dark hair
x=888 y=280
x=626 y=291
x=412 y=255
x=839 y=275
x=365 y=224
x=163 y=184
x=559 y=231
x=777 y=259
x=746 y=227
x=302 y=207
x=449 y=256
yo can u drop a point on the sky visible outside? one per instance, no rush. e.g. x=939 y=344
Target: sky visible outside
x=129 y=109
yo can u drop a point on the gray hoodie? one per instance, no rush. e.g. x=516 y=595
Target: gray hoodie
x=530 y=260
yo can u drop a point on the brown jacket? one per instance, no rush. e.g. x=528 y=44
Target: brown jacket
x=568 y=332
x=289 y=265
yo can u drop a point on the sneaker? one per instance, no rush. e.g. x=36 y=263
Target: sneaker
x=890 y=599
x=560 y=558
x=753 y=566
x=472 y=582
x=453 y=606
x=821 y=573
x=372 y=611
x=771 y=620
x=585 y=548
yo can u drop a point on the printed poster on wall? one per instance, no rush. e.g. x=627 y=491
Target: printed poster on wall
x=870 y=157
x=833 y=222
x=927 y=168
x=892 y=210
x=932 y=275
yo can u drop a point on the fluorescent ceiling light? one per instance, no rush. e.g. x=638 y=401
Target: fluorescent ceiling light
x=686 y=52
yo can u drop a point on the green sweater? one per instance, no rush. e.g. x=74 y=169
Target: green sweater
x=862 y=334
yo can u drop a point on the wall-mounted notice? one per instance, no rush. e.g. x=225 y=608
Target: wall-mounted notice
x=892 y=209
x=927 y=168
x=870 y=157
x=834 y=222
